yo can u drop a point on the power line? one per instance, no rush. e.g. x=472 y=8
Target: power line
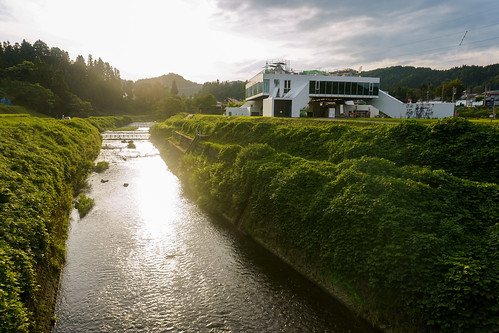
x=463 y=38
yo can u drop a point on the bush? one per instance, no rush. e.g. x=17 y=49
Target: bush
x=101 y=166
x=84 y=204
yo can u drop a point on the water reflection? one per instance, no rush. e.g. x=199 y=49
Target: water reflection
x=146 y=259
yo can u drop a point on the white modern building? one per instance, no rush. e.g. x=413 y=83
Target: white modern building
x=278 y=91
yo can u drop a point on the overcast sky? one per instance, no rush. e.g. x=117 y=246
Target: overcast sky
x=206 y=40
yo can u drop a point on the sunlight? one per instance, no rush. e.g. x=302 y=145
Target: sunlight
x=157 y=197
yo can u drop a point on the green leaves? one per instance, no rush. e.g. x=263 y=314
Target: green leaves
x=41 y=161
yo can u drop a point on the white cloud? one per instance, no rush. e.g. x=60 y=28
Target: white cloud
x=205 y=40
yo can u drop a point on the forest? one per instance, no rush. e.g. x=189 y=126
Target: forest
x=401 y=217
x=45 y=79
x=420 y=83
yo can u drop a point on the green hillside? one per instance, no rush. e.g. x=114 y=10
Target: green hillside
x=185 y=87
x=475 y=78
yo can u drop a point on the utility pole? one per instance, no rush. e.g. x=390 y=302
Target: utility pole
x=453 y=93
x=494 y=108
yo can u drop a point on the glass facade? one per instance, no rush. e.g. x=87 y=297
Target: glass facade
x=266 y=86
x=258 y=88
x=343 y=88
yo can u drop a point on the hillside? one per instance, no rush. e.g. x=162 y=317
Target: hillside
x=185 y=87
x=475 y=78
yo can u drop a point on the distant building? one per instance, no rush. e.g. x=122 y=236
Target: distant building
x=491 y=98
x=278 y=91
x=6 y=101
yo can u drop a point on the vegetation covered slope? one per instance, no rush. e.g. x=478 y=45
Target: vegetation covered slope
x=401 y=216
x=42 y=163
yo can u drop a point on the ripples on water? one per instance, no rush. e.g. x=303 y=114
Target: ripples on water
x=147 y=259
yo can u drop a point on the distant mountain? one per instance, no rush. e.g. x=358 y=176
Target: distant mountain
x=475 y=78
x=185 y=87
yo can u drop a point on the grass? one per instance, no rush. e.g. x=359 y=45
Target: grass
x=20 y=111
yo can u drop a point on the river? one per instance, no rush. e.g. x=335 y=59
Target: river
x=148 y=259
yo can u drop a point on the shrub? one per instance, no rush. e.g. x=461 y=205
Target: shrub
x=101 y=166
x=84 y=204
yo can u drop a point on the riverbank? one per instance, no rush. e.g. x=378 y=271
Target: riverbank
x=44 y=163
x=396 y=219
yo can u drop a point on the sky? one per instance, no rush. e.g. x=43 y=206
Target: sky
x=208 y=40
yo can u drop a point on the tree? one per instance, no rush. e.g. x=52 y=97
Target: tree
x=174 y=88
x=205 y=104
x=448 y=89
x=168 y=107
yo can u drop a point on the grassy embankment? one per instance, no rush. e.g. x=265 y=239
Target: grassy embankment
x=43 y=164
x=397 y=219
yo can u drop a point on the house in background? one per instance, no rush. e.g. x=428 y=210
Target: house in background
x=278 y=91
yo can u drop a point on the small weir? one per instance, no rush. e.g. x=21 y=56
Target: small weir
x=147 y=259
x=122 y=135
x=142 y=132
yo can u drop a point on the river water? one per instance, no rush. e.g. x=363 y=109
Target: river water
x=147 y=259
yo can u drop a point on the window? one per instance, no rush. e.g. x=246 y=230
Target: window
x=341 y=90
x=329 y=87
x=348 y=88
x=287 y=86
x=311 y=87
x=323 y=87
x=266 y=86
x=354 y=88
x=336 y=87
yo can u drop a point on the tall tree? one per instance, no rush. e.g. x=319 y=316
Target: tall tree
x=174 y=88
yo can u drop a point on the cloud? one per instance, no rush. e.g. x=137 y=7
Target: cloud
x=232 y=39
x=373 y=33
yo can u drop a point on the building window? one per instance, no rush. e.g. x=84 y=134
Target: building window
x=311 y=87
x=348 y=88
x=266 y=86
x=341 y=90
x=329 y=87
x=287 y=86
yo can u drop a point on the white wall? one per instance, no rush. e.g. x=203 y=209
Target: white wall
x=394 y=108
x=268 y=107
x=241 y=111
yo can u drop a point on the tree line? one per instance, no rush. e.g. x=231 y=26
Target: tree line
x=418 y=83
x=46 y=80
